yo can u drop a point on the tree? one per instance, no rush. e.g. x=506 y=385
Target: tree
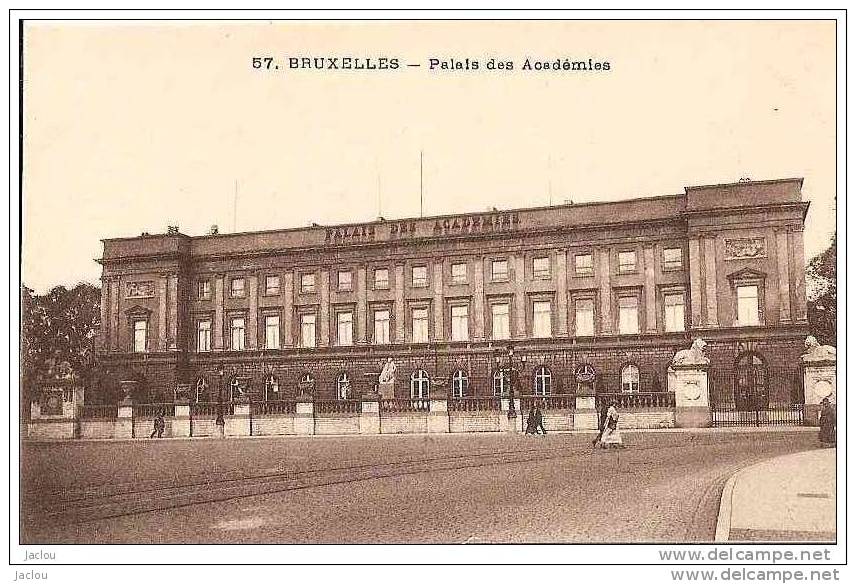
x=823 y=294
x=58 y=328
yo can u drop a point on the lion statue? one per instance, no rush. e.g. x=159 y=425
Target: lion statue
x=692 y=356
x=817 y=352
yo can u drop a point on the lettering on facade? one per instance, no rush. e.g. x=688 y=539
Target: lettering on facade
x=402 y=229
x=477 y=223
x=745 y=248
x=350 y=234
x=144 y=289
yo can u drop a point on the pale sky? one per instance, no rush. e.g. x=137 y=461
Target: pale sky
x=130 y=128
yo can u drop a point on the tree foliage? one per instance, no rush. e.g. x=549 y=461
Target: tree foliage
x=58 y=331
x=823 y=294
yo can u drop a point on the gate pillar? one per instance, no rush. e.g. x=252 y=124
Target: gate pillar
x=819 y=378
x=688 y=380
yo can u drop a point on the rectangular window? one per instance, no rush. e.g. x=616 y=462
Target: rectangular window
x=272 y=286
x=307 y=330
x=419 y=317
x=674 y=312
x=381 y=327
x=236 y=288
x=541 y=268
x=584 y=265
x=500 y=321
x=345 y=328
x=238 y=334
x=419 y=276
x=203 y=289
x=381 y=279
x=584 y=317
x=203 y=336
x=542 y=321
x=672 y=259
x=307 y=283
x=747 y=306
x=499 y=270
x=345 y=281
x=459 y=273
x=460 y=323
x=626 y=262
x=628 y=315
x=140 y=335
x=272 y=332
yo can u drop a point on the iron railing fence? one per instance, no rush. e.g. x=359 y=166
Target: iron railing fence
x=273 y=407
x=404 y=405
x=152 y=410
x=99 y=412
x=210 y=409
x=337 y=406
x=793 y=415
x=636 y=400
x=759 y=388
x=474 y=404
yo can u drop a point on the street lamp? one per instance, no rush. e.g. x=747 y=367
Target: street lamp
x=221 y=373
x=508 y=367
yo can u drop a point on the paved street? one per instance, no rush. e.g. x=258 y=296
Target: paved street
x=391 y=489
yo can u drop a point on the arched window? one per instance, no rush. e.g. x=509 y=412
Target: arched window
x=271 y=387
x=501 y=382
x=201 y=389
x=460 y=383
x=343 y=386
x=235 y=390
x=420 y=384
x=630 y=378
x=543 y=381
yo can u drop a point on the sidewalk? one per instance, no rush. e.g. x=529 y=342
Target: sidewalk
x=788 y=498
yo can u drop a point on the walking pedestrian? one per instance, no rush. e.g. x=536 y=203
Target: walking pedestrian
x=539 y=420
x=827 y=423
x=601 y=422
x=611 y=437
x=158 y=425
x=530 y=420
x=220 y=422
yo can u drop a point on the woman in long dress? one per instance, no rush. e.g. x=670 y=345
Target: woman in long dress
x=827 y=423
x=611 y=437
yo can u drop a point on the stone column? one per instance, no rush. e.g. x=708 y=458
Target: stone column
x=710 y=281
x=438 y=412
x=172 y=313
x=797 y=272
x=181 y=421
x=561 y=280
x=362 y=336
x=585 y=411
x=687 y=379
x=370 y=414
x=604 y=274
x=239 y=423
x=104 y=337
x=782 y=261
x=287 y=292
x=650 y=292
x=478 y=300
x=253 y=316
x=114 y=313
x=304 y=416
x=218 y=312
x=819 y=378
x=695 y=283
x=400 y=318
x=324 y=317
x=520 y=307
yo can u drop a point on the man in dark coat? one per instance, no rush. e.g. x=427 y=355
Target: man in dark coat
x=530 y=420
x=159 y=425
x=601 y=421
x=827 y=422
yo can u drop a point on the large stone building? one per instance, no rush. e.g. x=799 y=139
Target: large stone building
x=597 y=291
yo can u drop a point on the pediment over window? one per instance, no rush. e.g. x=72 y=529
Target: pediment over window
x=137 y=311
x=746 y=274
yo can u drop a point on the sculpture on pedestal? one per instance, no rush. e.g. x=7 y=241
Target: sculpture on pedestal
x=692 y=356
x=817 y=352
x=386 y=380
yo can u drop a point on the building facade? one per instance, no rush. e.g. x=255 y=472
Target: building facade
x=606 y=292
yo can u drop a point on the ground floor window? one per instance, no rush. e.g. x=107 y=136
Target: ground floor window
x=543 y=381
x=630 y=378
x=460 y=383
x=343 y=386
x=420 y=384
x=501 y=382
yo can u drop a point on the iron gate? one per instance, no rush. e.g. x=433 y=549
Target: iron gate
x=754 y=394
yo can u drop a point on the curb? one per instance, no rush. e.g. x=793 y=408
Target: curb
x=723 y=519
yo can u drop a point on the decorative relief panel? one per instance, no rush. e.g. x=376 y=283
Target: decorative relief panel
x=747 y=248
x=144 y=289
